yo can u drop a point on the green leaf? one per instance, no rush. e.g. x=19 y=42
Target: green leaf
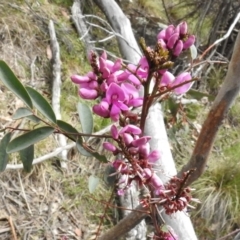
x=42 y=104
x=26 y=156
x=86 y=118
x=81 y=149
x=193 y=52
x=67 y=128
x=21 y=113
x=90 y=152
x=29 y=138
x=92 y=183
x=10 y=81
x=3 y=154
x=33 y=119
x=101 y=158
x=199 y=95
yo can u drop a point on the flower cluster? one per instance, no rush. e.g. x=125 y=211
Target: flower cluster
x=111 y=84
x=116 y=86
x=134 y=155
x=176 y=39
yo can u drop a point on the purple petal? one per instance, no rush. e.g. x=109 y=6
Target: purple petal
x=153 y=156
x=122 y=75
x=80 y=79
x=181 y=78
x=122 y=106
x=136 y=102
x=92 y=76
x=169 y=31
x=167 y=78
x=104 y=55
x=131 y=129
x=110 y=147
x=144 y=63
x=141 y=141
x=183 y=28
x=189 y=42
x=127 y=138
x=102 y=109
x=178 y=48
x=93 y=84
x=130 y=90
x=172 y=40
x=162 y=34
x=105 y=72
x=102 y=64
x=86 y=93
x=114 y=113
x=114 y=132
x=144 y=150
x=134 y=80
x=147 y=173
x=156 y=181
x=115 y=93
x=162 y=43
x=117 y=65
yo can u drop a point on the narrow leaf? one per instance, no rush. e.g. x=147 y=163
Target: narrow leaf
x=101 y=158
x=42 y=104
x=67 y=128
x=33 y=119
x=21 y=113
x=92 y=183
x=90 y=152
x=81 y=149
x=26 y=156
x=3 y=154
x=29 y=138
x=86 y=118
x=193 y=52
x=11 y=81
x=199 y=95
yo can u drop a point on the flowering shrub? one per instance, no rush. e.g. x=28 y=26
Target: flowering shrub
x=116 y=87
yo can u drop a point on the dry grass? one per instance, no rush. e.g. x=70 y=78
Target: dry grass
x=49 y=203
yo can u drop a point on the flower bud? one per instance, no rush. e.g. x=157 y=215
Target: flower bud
x=127 y=138
x=189 y=42
x=172 y=40
x=87 y=93
x=114 y=132
x=102 y=109
x=178 y=48
x=183 y=28
x=181 y=78
x=80 y=79
x=110 y=147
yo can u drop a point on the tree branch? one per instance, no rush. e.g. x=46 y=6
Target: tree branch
x=221 y=105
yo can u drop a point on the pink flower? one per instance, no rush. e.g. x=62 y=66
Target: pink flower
x=87 y=93
x=114 y=132
x=132 y=95
x=172 y=40
x=183 y=28
x=110 y=147
x=181 y=78
x=115 y=96
x=131 y=129
x=102 y=109
x=178 y=48
x=189 y=42
x=170 y=81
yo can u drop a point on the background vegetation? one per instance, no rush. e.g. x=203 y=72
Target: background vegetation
x=53 y=203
